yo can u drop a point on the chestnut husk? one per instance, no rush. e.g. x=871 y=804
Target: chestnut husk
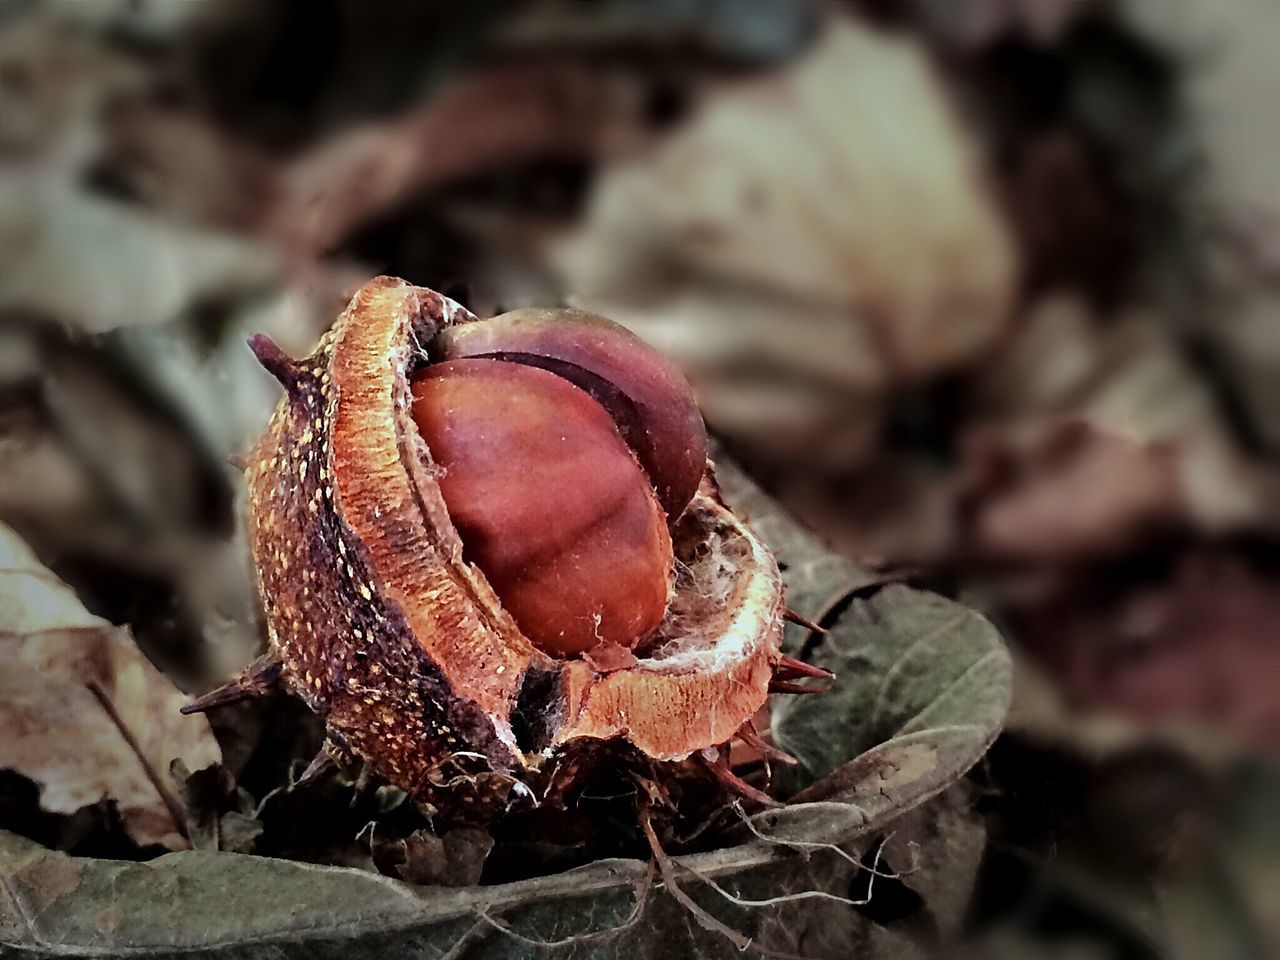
x=376 y=621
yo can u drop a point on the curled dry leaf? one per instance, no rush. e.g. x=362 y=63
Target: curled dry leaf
x=1198 y=646
x=534 y=110
x=105 y=465
x=1093 y=435
x=1067 y=490
x=797 y=196
x=61 y=80
x=981 y=22
x=219 y=812
x=310 y=204
x=1226 y=93
x=85 y=715
x=454 y=860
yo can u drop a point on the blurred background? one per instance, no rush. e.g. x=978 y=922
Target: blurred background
x=987 y=292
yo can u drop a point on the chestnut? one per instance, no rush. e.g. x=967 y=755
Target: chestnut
x=549 y=500
x=643 y=391
x=491 y=552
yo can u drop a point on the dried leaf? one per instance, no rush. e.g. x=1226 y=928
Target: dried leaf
x=182 y=163
x=1068 y=490
x=793 y=195
x=1238 y=215
x=922 y=688
x=1095 y=434
x=109 y=472
x=64 y=80
x=1196 y=646
x=454 y=860
x=85 y=715
x=219 y=813
x=976 y=23
x=553 y=108
x=100 y=264
x=233 y=906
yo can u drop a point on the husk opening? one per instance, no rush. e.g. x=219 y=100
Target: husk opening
x=386 y=630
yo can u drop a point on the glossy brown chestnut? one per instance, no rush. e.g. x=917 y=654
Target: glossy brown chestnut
x=386 y=470
x=549 y=501
x=647 y=396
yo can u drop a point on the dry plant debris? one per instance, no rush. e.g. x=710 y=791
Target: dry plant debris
x=84 y=714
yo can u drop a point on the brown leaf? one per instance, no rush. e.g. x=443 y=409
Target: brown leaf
x=1073 y=489
x=85 y=715
x=98 y=264
x=1199 y=647
x=495 y=117
x=793 y=188
x=1074 y=233
x=182 y=162
x=1092 y=434
x=456 y=860
x=219 y=812
x=981 y=22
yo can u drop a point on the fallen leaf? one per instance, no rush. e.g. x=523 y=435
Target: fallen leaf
x=536 y=110
x=424 y=861
x=219 y=812
x=1237 y=211
x=65 y=81
x=1196 y=646
x=980 y=22
x=100 y=264
x=1074 y=232
x=1093 y=434
x=1067 y=490
x=86 y=716
x=454 y=860
x=231 y=905
x=791 y=196
x=104 y=469
x=181 y=162
x=922 y=688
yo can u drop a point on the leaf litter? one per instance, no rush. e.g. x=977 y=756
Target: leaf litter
x=1077 y=407
x=86 y=716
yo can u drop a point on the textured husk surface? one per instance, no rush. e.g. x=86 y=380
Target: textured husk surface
x=386 y=630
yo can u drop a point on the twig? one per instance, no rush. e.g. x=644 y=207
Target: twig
x=176 y=810
x=736 y=783
x=669 y=881
x=463 y=942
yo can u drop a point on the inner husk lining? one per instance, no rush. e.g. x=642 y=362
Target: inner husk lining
x=712 y=560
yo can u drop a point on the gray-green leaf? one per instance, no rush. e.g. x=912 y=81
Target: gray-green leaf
x=923 y=685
